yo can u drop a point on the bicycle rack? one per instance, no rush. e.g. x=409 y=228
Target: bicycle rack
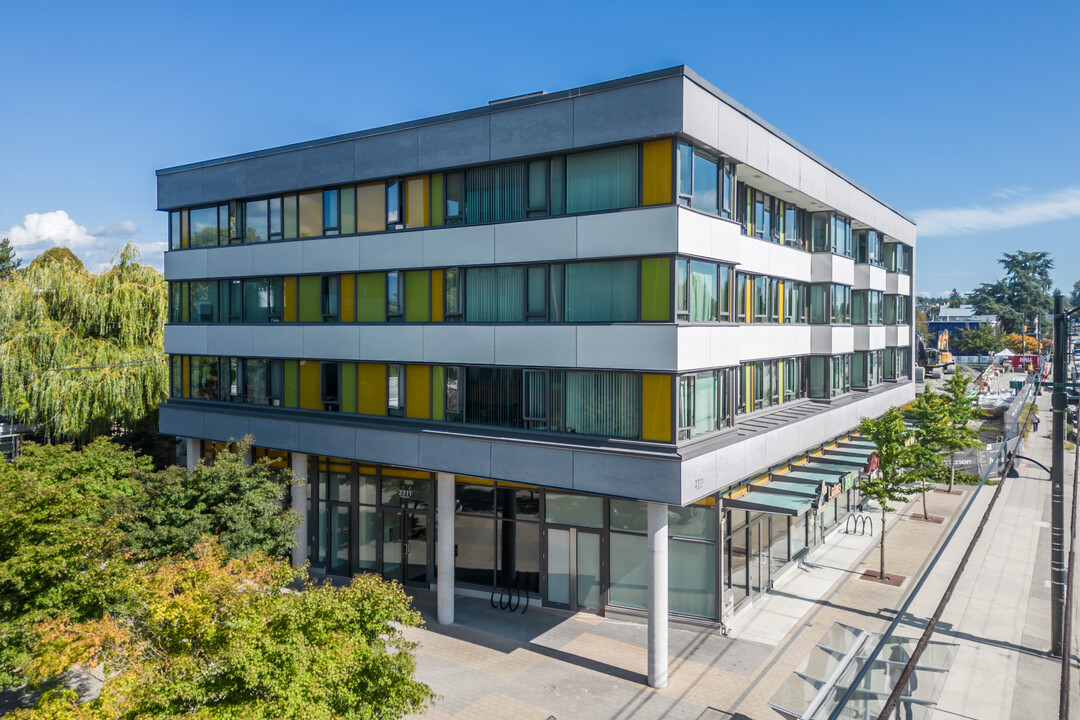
x=510 y=596
x=861 y=524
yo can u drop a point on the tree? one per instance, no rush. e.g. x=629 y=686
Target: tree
x=74 y=523
x=216 y=638
x=61 y=255
x=979 y=340
x=83 y=353
x=955 y=300
x=1025 y=344
x=241 y=505
x=1074 y=296
x=931 y=430
x=8 y=262
x=61 y=547
x=1022 y=294
x=920 y=323
x=892 y=438
x=959 y=412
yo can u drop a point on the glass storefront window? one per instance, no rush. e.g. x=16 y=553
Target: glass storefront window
x=692 y=578
x=577 y=510
x=628 y=515
x=629 y=570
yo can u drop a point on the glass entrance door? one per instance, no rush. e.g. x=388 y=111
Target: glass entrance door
x=760 y=570
x=406 y=549
x=574 y=569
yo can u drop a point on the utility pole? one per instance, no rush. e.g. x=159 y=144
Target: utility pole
x=1057 y=481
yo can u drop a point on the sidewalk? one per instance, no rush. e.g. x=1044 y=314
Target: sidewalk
x=492 y=664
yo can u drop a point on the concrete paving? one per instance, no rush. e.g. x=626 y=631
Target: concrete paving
x=549 y=664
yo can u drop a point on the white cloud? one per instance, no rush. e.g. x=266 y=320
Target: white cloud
x=96 y=248
x=124 y=228
x=51 y=228
x=1057 y=205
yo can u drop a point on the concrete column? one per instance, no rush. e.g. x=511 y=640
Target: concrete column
x=445 y=560
x=658 y=595
x=194 y=450
x=299 y=503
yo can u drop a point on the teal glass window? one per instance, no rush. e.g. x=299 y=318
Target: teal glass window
x=204 y=227
x=703 y=291
x=331 y=212
x=495 y=193
x=256 y=220
x=603 y=403
x=605 y=291
x=495 y=294
x=602 y=179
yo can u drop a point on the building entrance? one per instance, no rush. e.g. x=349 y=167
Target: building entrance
x=407 y=553
x=575 y=578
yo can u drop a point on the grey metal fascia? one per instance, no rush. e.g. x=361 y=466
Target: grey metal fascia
x=502 y=106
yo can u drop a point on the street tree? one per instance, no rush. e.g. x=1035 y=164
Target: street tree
x=82 y=353
x=959 y=411
x=892 y=439
x=979 y=340
x=1074 y=296
x=931 y=430
x=243 y=505
x=1022 y=295
x=8 y=262
x=210 y=637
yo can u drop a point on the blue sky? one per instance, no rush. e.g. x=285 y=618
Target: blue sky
x=962 y=115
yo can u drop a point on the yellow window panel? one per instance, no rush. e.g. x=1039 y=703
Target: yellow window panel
x=417 y=206
x=289 y=301
x=418 y=391
x=437 y=296
x=311 y=214
x=371 y=207
x=348 y=298
x=656 y=178
x=310 y=392
x=371 y=389
x=656 y=407
x=406 y=473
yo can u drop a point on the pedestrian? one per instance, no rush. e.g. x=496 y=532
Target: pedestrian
x=1035 y=422
x=898 y=659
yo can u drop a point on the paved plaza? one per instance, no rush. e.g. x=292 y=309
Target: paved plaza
x=545 y=663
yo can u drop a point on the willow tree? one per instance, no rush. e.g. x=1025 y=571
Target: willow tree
x=82 y=353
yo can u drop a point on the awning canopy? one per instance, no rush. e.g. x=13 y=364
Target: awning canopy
x=824 y=464
x=758 y=500
x=786 y=487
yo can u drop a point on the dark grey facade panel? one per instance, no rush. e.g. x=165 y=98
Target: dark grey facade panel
x=450 y=144
x=385 y=155
x=551 y=467
x=327 y=165
x=180 y=189
x=226 y=427
x=648 y=479
x=224 y=182
x=271 y=173
x=274 y=432
x=183 y=422
x=328 y=439
x=465 y=456
x=389 y=447
x=637 y=111
x=533 y=130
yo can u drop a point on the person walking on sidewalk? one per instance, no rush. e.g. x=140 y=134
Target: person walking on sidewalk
x=1035 y=422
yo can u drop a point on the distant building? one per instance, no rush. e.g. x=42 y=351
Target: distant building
x=956 y=320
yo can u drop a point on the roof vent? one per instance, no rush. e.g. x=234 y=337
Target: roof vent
x=538 y=93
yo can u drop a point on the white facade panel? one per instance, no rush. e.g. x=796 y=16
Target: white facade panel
x=234 y=261
x=695 y=345
x=869 y=277
x=184 y=264
x=724 y=345
x=231 y=340
x=632 y=232
x=697 y=234
x=277 y=340
x=332 y=342
x=390 y=251
x=392 y=343
x=757 y=147
x=185 y=339
x=701 y=114
x=280 y=258
x=870 y=337
x=832 y=340
x=536 y=345
x=536 y=240
x=830 y=268
x=783 y=162
x=332 y=254
x=734 y=129
x=788 y=340
x=464 y=245
x=454 y=343
x=897 y=284
x=755 y=342
x=897 y=336
x=627 y=347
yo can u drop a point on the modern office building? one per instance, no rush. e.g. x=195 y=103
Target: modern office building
x=612 y=340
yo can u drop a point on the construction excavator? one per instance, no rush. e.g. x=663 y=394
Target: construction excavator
x=933 y=359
